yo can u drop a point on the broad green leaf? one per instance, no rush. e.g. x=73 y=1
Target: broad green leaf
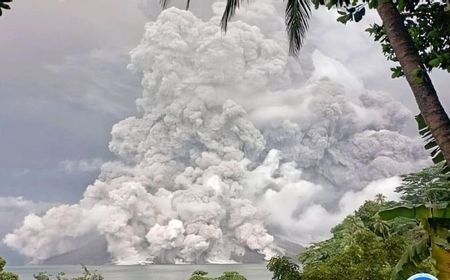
x=415 y=255
x=417 y=213
x=435 y=62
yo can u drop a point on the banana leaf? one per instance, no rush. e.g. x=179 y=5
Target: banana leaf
x=416 y=212
x=411 y=259
x=440 y=260
x=419 y=212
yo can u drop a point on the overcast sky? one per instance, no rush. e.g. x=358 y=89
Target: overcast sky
x=64 y=83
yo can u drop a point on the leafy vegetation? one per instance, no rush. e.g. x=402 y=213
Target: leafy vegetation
x=87 y=275
x=6 y=275
x=202 y=275
x=435 y=222
x=427 y=193
x=428 y=24
x=429 y=186
x=363 y=247
x=284 y=269
x=382 y=239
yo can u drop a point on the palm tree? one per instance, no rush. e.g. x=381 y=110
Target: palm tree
x=380 y=198
x=426 y=97
x=4 y=6
x=297 y=17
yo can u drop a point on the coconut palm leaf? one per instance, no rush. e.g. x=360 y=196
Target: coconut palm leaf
x=165 y=3
x=430 y=143
x=297 y=16
x=228 y=13
x=4 y=5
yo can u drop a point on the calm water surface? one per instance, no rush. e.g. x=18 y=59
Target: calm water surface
x=151 y=272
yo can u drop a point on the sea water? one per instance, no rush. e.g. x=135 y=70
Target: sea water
x=149 y=272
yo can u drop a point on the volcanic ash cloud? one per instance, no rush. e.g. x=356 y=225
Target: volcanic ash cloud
x=234 y=143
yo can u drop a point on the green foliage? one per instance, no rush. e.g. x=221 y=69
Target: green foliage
x=429 y=186
x=431 y=144
x=346 y=233
x=4 y=5
x=367 y=257
x=362 y=247
x=6 y=275
x=202 y=275
x=41 y=276
x=231 y=276
x=414 y=212
x=413 y=260
x=2 y=264
x=427 y=194
x=428 y=25
x=87 y=275
x=283 y=269
x=382 y=239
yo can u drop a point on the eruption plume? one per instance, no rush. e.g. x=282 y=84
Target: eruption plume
x=235 y=143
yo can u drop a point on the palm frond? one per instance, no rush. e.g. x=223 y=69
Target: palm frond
x=298 y=13
x=416 y=212
x=430 y=143
x=4 y=5
x=228 y=13
x=165 y=3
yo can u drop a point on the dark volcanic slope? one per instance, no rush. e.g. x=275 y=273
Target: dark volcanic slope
x=94 y=252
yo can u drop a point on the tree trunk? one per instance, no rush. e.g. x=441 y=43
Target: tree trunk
x=416 y=75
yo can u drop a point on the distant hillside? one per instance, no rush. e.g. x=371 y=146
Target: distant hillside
x=95 y=252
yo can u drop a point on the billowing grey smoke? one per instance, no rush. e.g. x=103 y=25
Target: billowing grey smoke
x=235 y=142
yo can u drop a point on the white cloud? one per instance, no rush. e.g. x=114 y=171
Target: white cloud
x=14 y=209
x=84 y=165
x=98 y=81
